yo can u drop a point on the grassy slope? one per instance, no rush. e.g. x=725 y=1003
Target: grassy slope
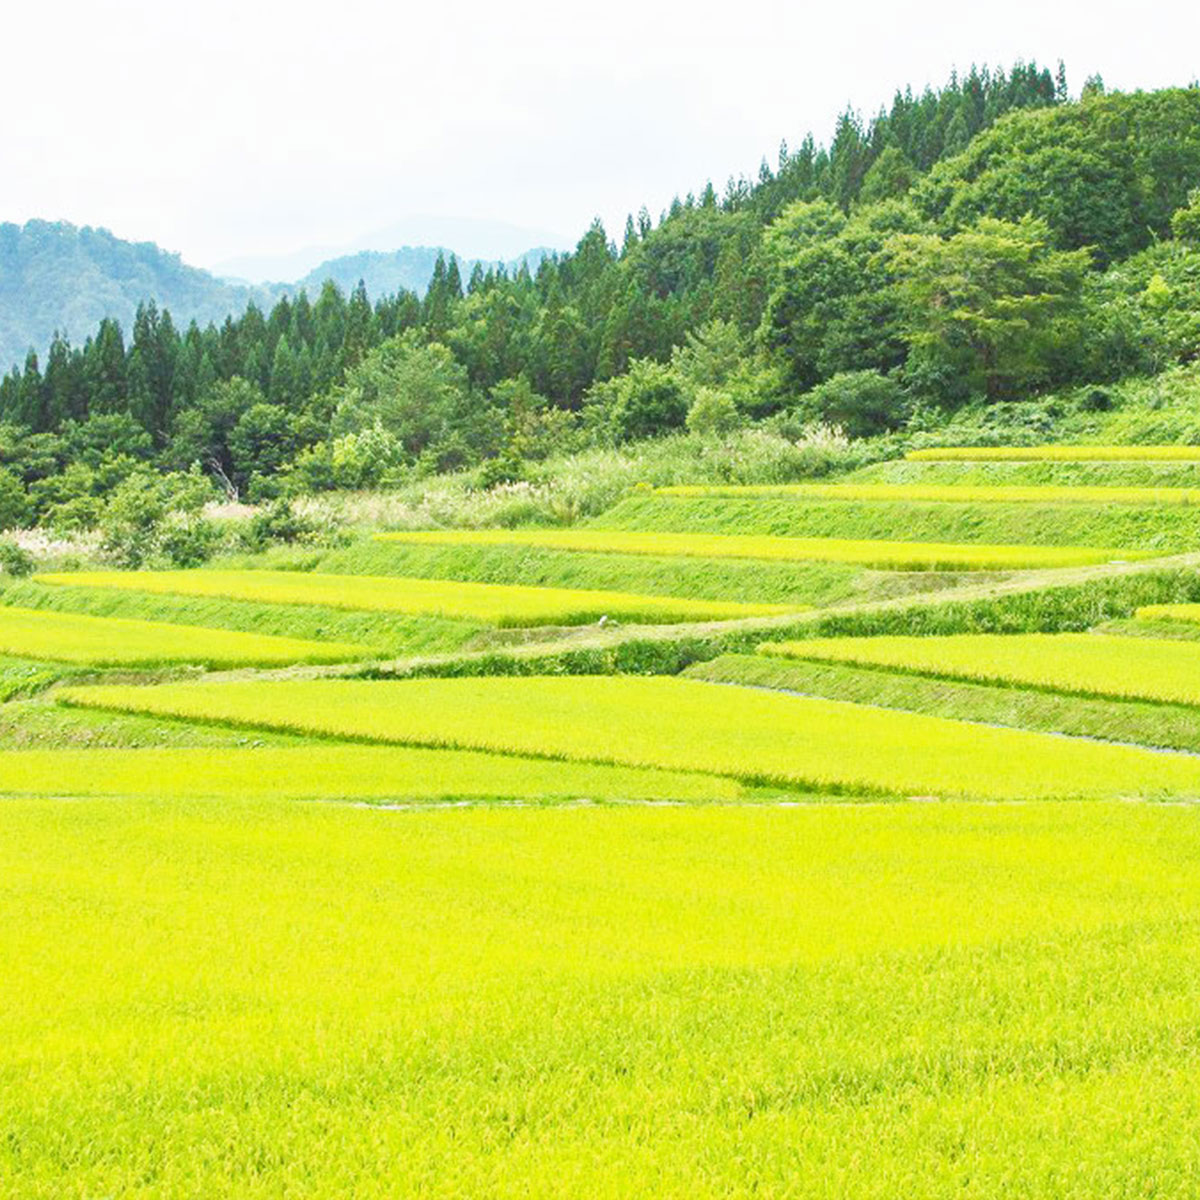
x=1000 y=473
x=1170 y=529
x=923 y=1000
x=1162 y=725
x=766 y=583
x=43 y=725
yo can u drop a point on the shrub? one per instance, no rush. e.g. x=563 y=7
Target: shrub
x=713 y=412
x=863 y=403
x=14 y=561
x=279 y=522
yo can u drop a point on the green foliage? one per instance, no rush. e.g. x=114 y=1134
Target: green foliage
x=713 y=413
x=15 y=562
x=645 y=401
x=988 y=309
x=15 y=509
x=417 y=393
x=1106 y=173
x=863 y=403
x=1185 y=224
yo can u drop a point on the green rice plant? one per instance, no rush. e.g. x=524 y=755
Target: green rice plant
x=1095 y=664
x=967 y=494
x=389 y=634
x=243 y=1000
x=327 y=771
x=1186 y=613
x=680 y=724
x=1058 y=454
x=1142 y=723
x=913 y=556
x=500 y=604
x=109 y=642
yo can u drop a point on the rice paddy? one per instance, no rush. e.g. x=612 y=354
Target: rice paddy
x=259 y=999
x=501 y=604
x=101 y=641
x=678 y=724
x=330 y=772
x=910 y=556
x=1140 y=668
x=1187 y=613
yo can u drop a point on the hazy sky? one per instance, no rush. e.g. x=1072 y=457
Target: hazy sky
x=249 y=126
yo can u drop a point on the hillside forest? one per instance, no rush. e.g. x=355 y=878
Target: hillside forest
x=991 y=255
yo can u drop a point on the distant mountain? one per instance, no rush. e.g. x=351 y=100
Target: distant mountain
x=488 y=241
x=57 y=276
x=54 y=275
x=409 y=267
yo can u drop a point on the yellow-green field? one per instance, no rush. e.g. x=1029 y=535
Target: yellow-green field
x=682 y=724
x=257 y=1000
x=327 y=771
x=112 y=641
x=1188 y=613
x=913 y=556
x=1057 y=454
x=501 y=604
x=1141 y=668
x=958 y=493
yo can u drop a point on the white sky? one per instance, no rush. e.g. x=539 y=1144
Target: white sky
x=241 y=127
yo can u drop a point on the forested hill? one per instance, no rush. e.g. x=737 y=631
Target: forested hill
x=56 y=277
x=982 y=245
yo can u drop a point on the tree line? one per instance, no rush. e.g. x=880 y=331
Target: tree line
x=982 y=241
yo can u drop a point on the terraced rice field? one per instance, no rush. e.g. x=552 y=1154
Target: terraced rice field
x=1140 y=668
x=500 y=604
x=1057 y=454
x=672 y=928
x=911 y=556
x=903 y=493
x=1187 y=613
x=330 y=772
x=102 y=641
x=259 y=999
x=681 y=725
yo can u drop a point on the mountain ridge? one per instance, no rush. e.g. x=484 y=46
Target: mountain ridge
x=56 y=276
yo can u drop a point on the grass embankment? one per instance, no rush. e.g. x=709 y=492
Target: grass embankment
x=255 y=998
x=496 y=604
x=680 y=724
x=326 y=771
x=114 y=642
x=1165 y=726
x=1057 y=454
x=22 y=677
x=1117 y=667
x=905 y=493
x=1167 y=529
x=388 y=633
x=688 y=578
x=41 y=724
x=914 y=556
